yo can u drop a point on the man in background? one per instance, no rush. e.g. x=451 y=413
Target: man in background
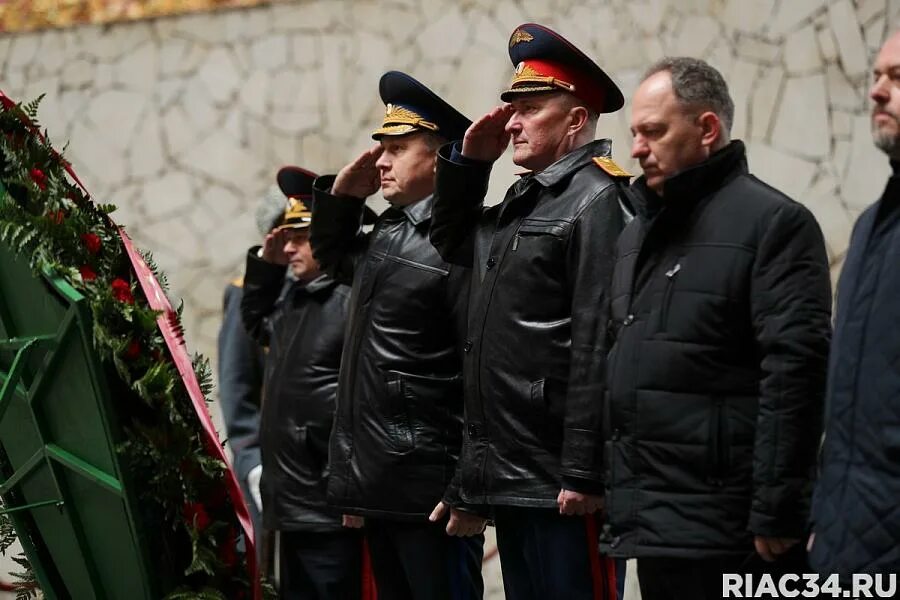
x=303 y=328
x=241 y=374
x=856 y=523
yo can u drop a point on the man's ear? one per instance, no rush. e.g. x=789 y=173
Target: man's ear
x=711 y=127
x=578 y=116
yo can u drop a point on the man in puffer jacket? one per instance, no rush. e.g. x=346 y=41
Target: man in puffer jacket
x=856 y=513
x=721 y=304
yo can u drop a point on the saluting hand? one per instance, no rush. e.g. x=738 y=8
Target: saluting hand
x=359 y=179
x=486 y=138
x=273 y=247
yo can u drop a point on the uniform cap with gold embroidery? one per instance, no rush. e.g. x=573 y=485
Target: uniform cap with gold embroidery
x=545 y=62
x=296 y=184
x=410 y=106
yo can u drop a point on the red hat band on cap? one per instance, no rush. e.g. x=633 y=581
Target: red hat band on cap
x=534 y=72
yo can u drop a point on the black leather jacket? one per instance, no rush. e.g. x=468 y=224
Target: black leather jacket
x=534 y=357
x=398 y=426
x=304 y=331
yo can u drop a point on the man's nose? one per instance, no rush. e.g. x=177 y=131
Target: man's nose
x=513 y=125
x=880 y=92
x=639 y=147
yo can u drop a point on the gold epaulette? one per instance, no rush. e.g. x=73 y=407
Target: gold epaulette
x=611 y=168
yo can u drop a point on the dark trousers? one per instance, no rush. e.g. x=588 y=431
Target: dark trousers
x=701 y=579
x=548 y=556
x=419 y=561
x=320 y=566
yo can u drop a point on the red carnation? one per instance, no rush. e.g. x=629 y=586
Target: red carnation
x=56 y=216
x=91 y=242
x=122 y=291
x=133 y=350
x=39 y=178
x=87 y=273
x=195 y=514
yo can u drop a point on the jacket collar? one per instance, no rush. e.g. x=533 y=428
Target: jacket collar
x=573 y=161
x=416 y=213
x=684 y=189
x=320 y=283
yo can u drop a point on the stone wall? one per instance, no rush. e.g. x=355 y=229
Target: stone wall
x=182 y=121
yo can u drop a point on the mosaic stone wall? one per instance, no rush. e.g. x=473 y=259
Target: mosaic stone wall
x=183 y=121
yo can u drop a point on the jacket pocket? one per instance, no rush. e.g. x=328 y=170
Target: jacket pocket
x=531 y=228
x=671 y=275
x=428 y=404
x=396 y=416
x=717 y=449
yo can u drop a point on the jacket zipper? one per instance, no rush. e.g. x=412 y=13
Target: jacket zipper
x=667 y=295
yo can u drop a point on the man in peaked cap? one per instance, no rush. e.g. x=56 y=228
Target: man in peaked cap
x=398 y=428
x=303 y=326
x=542 y=262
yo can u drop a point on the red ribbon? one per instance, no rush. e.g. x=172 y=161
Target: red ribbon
x=171 y=331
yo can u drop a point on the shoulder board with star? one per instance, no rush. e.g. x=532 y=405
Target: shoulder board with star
x=610 y=167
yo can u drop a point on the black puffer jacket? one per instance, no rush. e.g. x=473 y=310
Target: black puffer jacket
x=304 y=331
x=856 y=512
x=398 y=427
x=534 y=362
x=721 y=307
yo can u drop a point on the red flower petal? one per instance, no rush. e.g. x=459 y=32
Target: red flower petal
x=91 y=242
x=195 y=514
x=39 y=178
x=87 y=273
x=133 y=350
x=122 y=291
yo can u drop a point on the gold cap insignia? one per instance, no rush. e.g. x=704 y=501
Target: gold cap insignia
x=296 y=215
x=611 y=168
x=533 y=81
x=399 y=120
x=519 y=36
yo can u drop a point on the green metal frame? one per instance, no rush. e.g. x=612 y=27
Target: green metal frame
x=60 y=475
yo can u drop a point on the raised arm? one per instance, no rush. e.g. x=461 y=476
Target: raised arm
x=264 y=279
x=461 y=182
x=338 y=204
